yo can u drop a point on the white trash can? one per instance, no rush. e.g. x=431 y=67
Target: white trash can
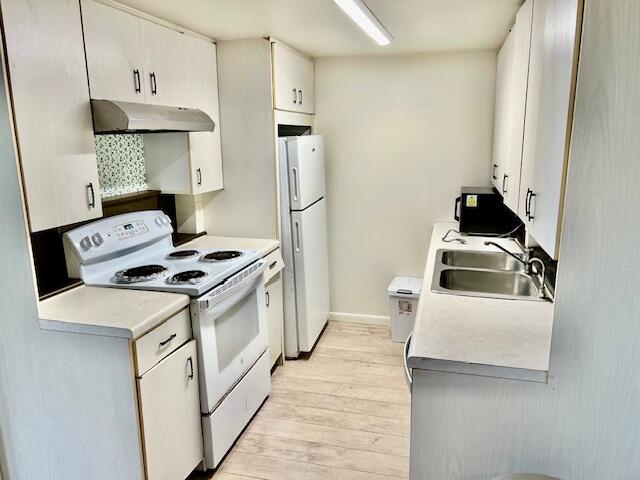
x=404 y=293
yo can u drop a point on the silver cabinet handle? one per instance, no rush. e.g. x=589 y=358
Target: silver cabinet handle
x=199 y=176
x=504 y=184
x=168 y=340
x=294 y=173
x=191 y=372
x=295 y=96
x=300 y=95
x=493 y=171
x=266 y=298
x=297 y=228
x=407 y=370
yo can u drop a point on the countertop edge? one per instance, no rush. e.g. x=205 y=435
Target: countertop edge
x=493 y=371
x=86 y=329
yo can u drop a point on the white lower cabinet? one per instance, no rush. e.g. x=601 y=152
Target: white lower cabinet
x=170 y=416
x=275 y=316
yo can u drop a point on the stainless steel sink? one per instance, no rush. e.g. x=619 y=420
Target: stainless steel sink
x=483 y=260
x=483 y=274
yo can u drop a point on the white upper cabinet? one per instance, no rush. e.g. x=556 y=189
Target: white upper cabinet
x=534 y=103
x=501 y=120
x=50 y=99
x=164 y=56
x=552 y=75
x=521 y=33
x=511 y=94
x=205 y=149
x=293 y=83
x=114 y=53
x=167 y=68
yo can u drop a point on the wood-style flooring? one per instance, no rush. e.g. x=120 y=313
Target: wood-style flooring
x=343 y=414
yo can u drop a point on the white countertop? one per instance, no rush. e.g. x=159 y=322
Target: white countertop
x=112 y=312
x=127 y=313
x=264 y=246
x=479 y=336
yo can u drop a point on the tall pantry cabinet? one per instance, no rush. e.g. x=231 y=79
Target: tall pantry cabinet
x=50 y=99
x=263 y=83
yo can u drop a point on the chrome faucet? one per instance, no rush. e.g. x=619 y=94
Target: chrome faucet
x=528 y=263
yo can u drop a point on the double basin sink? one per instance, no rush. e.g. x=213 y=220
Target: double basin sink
x=483 y=274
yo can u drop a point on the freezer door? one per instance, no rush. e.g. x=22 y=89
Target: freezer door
x=311 y=265
x=306 y=170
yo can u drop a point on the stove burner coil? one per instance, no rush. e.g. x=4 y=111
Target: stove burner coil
x=188 y=277
x=178 y=254
x=144 y=273
x=221 y=256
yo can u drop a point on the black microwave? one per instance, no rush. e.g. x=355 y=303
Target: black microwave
x=481 y=211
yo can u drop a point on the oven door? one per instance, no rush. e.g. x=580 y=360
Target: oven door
x=230 y=325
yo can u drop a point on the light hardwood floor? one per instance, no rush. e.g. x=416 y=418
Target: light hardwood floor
x=343 y=414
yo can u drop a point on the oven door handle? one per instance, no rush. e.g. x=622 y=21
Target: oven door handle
x=215 y=300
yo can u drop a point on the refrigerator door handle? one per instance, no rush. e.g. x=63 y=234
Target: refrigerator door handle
x=294 y=173
x=296 y=225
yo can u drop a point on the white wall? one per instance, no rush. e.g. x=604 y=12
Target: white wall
x=403 y=134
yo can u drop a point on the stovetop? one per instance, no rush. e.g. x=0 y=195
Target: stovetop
x=134 y=250
x=192 y=275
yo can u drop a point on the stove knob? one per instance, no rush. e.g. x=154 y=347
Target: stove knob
x=85 y=243
x=97 y=239
x=167 y=220
x=159 y=221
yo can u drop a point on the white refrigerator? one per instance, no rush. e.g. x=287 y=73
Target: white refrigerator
x=303 y=242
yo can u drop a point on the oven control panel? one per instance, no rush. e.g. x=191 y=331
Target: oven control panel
x=130 y=229
x=114 y=236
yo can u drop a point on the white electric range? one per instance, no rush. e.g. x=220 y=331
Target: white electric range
x=228 y=311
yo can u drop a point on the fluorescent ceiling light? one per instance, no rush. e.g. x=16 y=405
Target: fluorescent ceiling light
x=366 y=20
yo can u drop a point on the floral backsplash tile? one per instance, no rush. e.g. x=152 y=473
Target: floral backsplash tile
x=120 y=164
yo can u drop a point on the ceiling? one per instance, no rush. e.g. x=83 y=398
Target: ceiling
x=320 y=29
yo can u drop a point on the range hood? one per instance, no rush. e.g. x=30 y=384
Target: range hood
x=126 y=117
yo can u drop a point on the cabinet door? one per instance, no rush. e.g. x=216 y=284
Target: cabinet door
x=114 y=54
x=170 y=411
x=502 y=111
x=52 y=111
x=552 y=77
x=205 y=149
x=517 y=96
x=164 y=57
x=304 y=71
x=292 y=80
x=275 y=317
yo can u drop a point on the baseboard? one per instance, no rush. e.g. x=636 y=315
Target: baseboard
x=359 y=318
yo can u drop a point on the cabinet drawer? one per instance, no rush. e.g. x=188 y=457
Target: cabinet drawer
x=274 y=265
x=161 y=341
